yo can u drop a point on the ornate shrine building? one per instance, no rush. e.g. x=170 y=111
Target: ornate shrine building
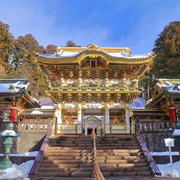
x=93 y=86
x=14 y=98
x=167 y=98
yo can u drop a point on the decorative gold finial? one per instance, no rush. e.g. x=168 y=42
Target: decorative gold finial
x=93 y=47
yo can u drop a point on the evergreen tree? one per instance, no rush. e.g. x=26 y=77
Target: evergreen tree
x=6 y=47
x=70 y=44
x=167 y=52
x=50 y=49
x=25 y=49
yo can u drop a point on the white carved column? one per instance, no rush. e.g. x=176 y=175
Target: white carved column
x=107 y=119
x=79 y=114
x=58 y=114
x=79 y=119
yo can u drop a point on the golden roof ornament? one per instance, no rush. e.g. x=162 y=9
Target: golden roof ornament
x=93 y=47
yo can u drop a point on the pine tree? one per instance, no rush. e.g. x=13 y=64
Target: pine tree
x=50 y=49
x=167 y=52
x=6 y=47
x=25 y=49
x=70 y=44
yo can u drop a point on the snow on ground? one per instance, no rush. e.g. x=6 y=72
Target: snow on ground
x=17 y=171
x=168 y=170
x=176 y=132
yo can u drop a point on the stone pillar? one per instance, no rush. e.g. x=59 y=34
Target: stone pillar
x=79 y=119
x=79 y=114
x=107 y=120
x=82 y=117
x=58 y=114
x=132 y=125
x=127 y=119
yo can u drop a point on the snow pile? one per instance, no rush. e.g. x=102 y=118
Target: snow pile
x=166 y=153
x=17 y=171
x=176 y=132
x=167 y=170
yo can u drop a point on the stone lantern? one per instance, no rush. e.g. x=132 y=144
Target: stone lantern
x=8 y=135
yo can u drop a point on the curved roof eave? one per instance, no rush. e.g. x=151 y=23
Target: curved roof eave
x=94 y=54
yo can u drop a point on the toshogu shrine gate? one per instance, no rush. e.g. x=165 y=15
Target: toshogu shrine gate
x=93 y=86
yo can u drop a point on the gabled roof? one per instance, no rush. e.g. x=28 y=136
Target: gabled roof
x=11 y=88
x=165 y=90
x=169 y=85
x=13 y=85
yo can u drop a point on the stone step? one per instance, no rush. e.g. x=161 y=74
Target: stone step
x=119 y=150
x=63 y=178
x=51 y=165
x=66 y=138
x=120 y=161
x=133 y=173
x=124 y=169
x=71 y=147
x=59 y=149
x=64 y=161
x=109 y=138
x=56 y=153
x=65 y=174
x=88 y=169
x=117 y=143
x=68 y=158
x=73 y=144
x=123 y=164
x=121 y=157
x=72 y=157
x=116 y=147
x=82 y=146
x=116 y=154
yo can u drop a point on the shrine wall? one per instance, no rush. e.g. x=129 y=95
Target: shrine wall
x=155 y=142
x=28 y=141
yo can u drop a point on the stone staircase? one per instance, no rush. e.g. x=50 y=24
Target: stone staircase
x=121 y=156
x=72 y=157
x=67 y=157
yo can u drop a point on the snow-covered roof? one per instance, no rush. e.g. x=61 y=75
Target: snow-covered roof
x=67 y=53
x=13 y=85
x=170 y=85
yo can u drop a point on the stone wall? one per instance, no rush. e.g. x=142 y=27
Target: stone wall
x=27 y=141
x=166 y=159
x=155 y=142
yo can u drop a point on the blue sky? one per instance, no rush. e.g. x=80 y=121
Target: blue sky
x=107 y=23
